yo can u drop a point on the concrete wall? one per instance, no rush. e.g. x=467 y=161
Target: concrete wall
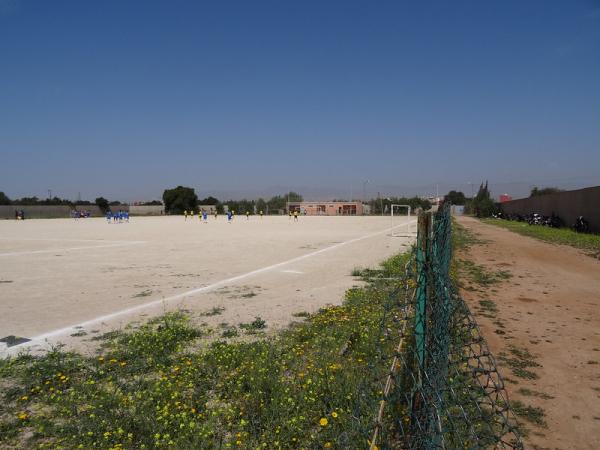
x=53 y=211
x=35 y=211
x=146 y=210
x=567 y=205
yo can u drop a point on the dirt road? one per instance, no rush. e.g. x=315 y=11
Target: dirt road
x=543 y=324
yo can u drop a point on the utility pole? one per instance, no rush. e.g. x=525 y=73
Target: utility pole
x=365 y=190
x=49 y=194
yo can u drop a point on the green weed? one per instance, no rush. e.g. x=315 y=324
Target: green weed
x=533 y=414
x=155 y=387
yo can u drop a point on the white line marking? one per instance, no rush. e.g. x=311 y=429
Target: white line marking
x=67 y=330
x=58 y=250
x=58 y=239
x=291 y=271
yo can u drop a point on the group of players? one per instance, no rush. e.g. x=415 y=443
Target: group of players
x=203 y=215
x=117 y=217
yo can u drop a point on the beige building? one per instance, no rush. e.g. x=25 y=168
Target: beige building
x=328 y=208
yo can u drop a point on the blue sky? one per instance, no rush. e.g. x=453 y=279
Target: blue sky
x=125 y=98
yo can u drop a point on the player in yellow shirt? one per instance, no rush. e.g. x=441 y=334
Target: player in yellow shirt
x=261 y=213
x=247 y=215
x=295 y=216
x=185 y=214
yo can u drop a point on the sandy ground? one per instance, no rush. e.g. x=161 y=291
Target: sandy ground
x=60 y=278
x=551 y=307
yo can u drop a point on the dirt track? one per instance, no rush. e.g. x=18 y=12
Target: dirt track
x=551 y=308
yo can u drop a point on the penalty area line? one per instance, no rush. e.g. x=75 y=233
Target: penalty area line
x=69 y=329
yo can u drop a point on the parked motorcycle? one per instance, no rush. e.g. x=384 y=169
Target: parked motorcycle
x=581 y=225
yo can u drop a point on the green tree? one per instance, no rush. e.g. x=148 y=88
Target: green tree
x=483 y=205
x=27 y=201
x=210 y=200
x=455 y=197
x=102 y=204
x=180 y=199
x=261 y=205
x=4 y=200
x=294 y=197
x=544 y=191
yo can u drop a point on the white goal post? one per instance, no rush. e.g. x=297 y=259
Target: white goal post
x=402 y=228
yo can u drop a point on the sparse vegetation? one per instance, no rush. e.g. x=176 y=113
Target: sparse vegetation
x=152 y=387
x=230 y=333
x=214 y=311
x=256 y=325
x=520 y=361
x=532 y=414
x=590 y=243
x=531 y=393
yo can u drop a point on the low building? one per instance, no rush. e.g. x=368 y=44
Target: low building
x=328 y=208
x=209 y=209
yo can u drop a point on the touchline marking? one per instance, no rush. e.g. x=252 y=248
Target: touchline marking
x=291 y=271
x=58 y=250
x=66 y=330
x=58 y=239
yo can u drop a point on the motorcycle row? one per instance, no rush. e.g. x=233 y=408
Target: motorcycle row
x=581 y=225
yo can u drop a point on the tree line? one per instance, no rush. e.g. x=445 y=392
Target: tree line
x=183 y=198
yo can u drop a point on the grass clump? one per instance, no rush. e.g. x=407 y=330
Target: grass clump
x=520 y=361
x=230 y=333
x=257 y=324
x=480 y=275
x=463 y=239
x=155 y=387
x=214 y=311
x=532 y=414
x=590 y=243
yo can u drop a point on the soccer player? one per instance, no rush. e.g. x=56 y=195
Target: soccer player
x=204 y=216
x=229 y=216
x=295 y=216
x=247 y=215
x=216 y=213
x=108 y=216
x=261 y=213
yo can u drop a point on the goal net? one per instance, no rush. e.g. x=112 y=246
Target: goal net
x=402 y=223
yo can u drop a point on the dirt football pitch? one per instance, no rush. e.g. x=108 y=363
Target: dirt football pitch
x=65 y=281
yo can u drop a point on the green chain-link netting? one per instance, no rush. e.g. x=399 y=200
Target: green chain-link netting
x=444 y=390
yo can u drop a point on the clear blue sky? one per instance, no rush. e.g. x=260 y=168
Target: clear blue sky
x=125 y=98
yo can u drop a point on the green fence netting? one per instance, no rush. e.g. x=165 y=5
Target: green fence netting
x=443 y=389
